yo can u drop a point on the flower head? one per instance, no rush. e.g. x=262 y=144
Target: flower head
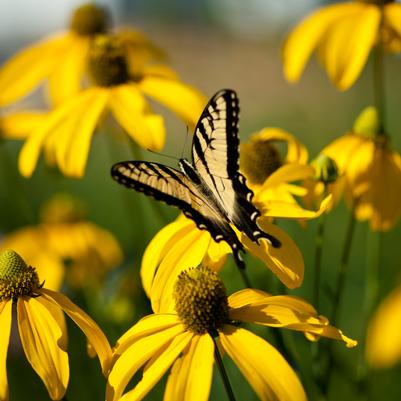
x=185 y=340
x=65 y=135
x=372 y=172
x=41 y=325
x=343 y=35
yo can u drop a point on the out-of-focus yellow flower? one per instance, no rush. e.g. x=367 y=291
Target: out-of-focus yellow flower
x=19 y=125
x=372 y=172
x=63 y=236
x=383 y=343
x=66 y=133
x=62 y=58
x=184 y=334
x=182 y=244
x=42 y=326
x=343 y=35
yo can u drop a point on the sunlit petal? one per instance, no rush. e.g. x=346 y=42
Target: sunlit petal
x=44 y=345
x=19 y=125
x=5 y=324
x=264 y=367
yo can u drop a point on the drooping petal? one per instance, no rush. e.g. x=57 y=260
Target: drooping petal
x=383 y=344
x=135 y=356
x=5 y=324
x=285 y=311
x=94 y=334
x=44 y=343
x=147 y=326
x=66 y=77
x=302 y=41
x=158 y=247
x=132 y=113
x=188 y=251
x=19 y=125
x=72 y=148
x=264 y=367
x=20 y=74
x=184 y=100
x=286 y=262
x=154 y=372
x=190 y=378
x=347 y=44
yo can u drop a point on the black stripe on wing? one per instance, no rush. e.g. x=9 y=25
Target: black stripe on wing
x=172 y=187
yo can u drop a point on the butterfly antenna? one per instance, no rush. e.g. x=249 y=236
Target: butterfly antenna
x=162 y=154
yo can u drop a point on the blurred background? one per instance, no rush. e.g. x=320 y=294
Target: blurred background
x=212 y=44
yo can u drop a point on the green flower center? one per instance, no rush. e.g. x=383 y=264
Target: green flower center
x=326 y=169
x=259 y=159
x=201 y=300
x=16 y=277
x=107 y=61
x=89 y=20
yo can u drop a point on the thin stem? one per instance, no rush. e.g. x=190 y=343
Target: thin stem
x=342 y=274
x=318 y=260
x=245 y=278
x=223 y=372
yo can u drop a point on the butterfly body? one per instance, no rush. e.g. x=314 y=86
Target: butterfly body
x=210 y=191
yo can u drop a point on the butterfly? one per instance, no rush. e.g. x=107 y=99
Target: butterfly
x=210 y=190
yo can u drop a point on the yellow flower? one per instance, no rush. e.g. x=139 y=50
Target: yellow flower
x=182 y=244
x=42 y=326
x=184 y=335
x=372 y=172
x=19 y=125
x=343 y=35
x=66 y=133
x=64 y=235
x=62 y=58
x=383 y=343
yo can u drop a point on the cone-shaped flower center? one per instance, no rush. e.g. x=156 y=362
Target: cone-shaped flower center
x=259 y=159
x=63 y=208
x=201 y=300
x=107 y=61
x=88 y=20
x=326 y=169
x=16 y=277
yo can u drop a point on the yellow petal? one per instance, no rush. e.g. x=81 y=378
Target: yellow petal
x=191 y=376
x=75 y=132
x=154 y=373
x=392 y=16
x=286 y=262
x=305 y=37
x=130 y=110
x=383 y=344
x=28 y=68
x=188 y=251
x=91 y=330
x=19 y=125
x=158 y=247
x=66 y=77
x=264 y=367
x=44 y=343
x=347 y=44
x=184 y=100
x=147 y=326
x=135 y=356
x=5 y=324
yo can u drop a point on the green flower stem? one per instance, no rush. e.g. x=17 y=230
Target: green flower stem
x=223 y=372
x=342 y=274
x=318 y=260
